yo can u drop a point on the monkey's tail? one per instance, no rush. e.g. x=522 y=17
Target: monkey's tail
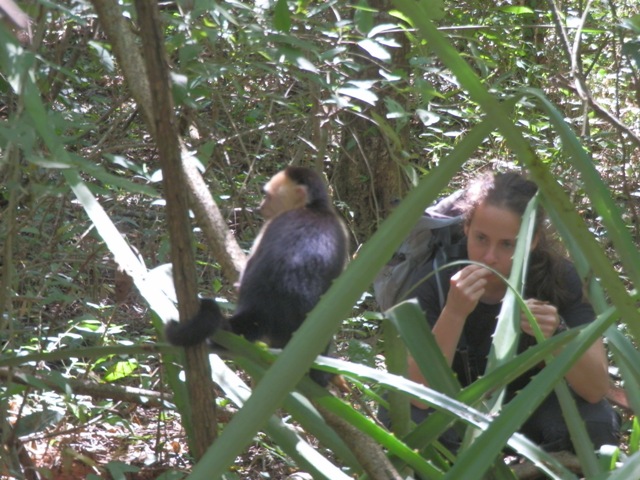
x=199 y=328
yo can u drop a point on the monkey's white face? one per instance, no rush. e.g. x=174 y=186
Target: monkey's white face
x=281 y=195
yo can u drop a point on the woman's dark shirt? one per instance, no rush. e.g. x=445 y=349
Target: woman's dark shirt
x=475 y=342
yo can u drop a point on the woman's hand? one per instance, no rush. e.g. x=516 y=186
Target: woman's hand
x=545 y=314
x=467 y=287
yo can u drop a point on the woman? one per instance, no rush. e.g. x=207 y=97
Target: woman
x=464 y=326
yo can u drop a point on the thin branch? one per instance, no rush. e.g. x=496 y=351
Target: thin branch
x=141 y=396
x=603 y=112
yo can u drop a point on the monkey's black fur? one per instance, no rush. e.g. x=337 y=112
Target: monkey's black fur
x=300 y=253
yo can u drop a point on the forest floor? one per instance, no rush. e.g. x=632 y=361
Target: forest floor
x=148 y=444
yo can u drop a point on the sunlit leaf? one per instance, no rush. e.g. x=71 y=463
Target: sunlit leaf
x=305 y=64
x=374 y=49
x=517 y=10
x=366 y=96
x=426 y=117
x=120 y=370
x=104 y=55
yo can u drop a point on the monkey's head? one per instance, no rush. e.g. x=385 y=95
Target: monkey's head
x=291 y=188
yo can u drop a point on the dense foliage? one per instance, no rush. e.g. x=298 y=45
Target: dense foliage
x=386 y=98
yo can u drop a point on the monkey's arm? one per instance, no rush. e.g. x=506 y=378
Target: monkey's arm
x=197 y=329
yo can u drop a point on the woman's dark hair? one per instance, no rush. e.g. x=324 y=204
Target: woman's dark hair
x=512 y=191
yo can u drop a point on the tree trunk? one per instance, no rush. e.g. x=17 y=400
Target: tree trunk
x=199 y=383
x=370 y=174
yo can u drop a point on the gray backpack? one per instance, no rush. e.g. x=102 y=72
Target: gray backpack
x=430 y=245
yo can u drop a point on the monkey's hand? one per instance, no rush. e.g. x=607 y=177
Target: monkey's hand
x=197 y=329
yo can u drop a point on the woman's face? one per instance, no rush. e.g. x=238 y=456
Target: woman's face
x=491 y=240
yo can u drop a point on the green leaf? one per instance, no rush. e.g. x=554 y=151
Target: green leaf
x=281 y=16
x=118 y=470
x=433 y=9
x=427 y=118
x=364 y=16
x=632 y=23
x=304 y=64
x=409 y=320
x=632 y=49
x=37 y=422
x=517 y=10
x=120 y=370
x=630 y=469
x=634 y=438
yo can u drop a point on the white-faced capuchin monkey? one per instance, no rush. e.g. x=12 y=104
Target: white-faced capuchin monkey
x=298 y=253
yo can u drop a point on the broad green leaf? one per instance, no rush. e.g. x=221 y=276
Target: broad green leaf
x=281 y=16
x=517 y=10
x=630 y=469
x=120 y=370
x=408 y=318
x=118 y=470
x=434 y=9
x=364 y=16
x=632 y=23
x=37 y=422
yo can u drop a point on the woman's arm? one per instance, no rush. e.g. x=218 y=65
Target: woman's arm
x=466 y=288
x=589 y=376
